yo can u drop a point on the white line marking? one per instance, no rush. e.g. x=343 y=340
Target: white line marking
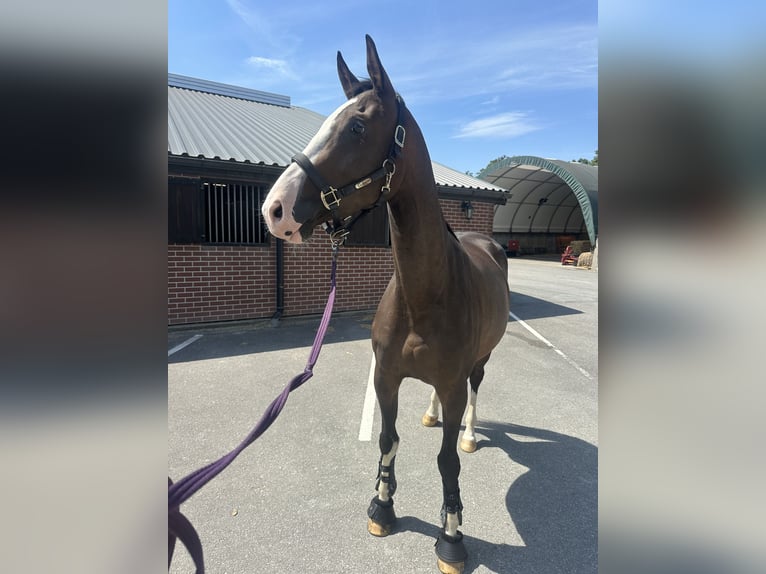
x=368 y=411
x=186 y=343
x=583 y=372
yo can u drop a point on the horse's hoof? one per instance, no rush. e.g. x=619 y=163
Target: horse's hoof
x=429 y=421
x=381 y=517
x=379 y=530
x=468 y=445
x=450 y=554
x=450 y=567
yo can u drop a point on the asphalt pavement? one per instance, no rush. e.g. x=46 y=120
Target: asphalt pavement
x=296 y=499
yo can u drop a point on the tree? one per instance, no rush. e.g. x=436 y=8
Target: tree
x=486 y=168
x=593 y=161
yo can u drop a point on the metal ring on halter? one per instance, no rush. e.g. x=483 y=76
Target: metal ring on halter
x=390 y=162
x=399 y=134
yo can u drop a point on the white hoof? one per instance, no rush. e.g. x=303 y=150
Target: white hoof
x=468 y=445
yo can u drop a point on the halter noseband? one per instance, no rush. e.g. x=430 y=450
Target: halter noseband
x=332 y=196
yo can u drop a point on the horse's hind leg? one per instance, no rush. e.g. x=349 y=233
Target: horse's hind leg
x=432 y=413
x=468 y=442
x=380 y=513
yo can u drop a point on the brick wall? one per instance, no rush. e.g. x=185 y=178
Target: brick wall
x=481 y=220
x=363 y=273
x=225 y=283
x=220 y=283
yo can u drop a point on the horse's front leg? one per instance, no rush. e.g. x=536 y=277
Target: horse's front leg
x=450 y=551
x=380 y=513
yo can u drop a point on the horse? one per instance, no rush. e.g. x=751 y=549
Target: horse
x=446 y=305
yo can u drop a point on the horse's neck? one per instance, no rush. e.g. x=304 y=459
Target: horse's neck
x=421 y=244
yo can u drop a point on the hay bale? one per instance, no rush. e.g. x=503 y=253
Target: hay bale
x=585 y=259
x=580 y=246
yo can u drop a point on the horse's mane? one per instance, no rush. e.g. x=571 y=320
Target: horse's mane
x=362 y=86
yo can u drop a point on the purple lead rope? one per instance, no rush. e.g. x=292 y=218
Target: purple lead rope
x=181 y=491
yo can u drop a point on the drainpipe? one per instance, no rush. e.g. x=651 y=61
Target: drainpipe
x=280 y=283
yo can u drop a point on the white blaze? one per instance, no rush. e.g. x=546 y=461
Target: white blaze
x=277 y=209
x=319 y=141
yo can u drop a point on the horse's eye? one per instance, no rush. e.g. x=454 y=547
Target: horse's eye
x=357 y=127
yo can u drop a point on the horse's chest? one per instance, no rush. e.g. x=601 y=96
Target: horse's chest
x=426 y=356
x=416 y=349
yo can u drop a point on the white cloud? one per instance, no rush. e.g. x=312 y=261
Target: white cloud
x=280 y=67
x=505 y=125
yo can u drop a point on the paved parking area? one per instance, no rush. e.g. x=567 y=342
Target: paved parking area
x=296 y=500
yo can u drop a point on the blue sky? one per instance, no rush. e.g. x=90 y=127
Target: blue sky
x=484 y=79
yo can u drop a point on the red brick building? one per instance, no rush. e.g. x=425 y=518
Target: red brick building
x=226 y=147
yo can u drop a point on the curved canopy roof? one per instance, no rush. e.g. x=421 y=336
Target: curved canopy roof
x=547 y=195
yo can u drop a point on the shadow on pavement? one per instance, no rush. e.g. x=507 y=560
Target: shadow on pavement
x=244 y=338
x=527 y=307
x=553 y=505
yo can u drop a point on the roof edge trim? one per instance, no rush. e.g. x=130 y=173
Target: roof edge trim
x=472 y=194
x=219 y=89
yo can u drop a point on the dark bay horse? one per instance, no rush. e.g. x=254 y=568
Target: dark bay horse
x=446 y=306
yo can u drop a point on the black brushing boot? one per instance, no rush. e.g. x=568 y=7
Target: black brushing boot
x=450 y=553
x=381 y=517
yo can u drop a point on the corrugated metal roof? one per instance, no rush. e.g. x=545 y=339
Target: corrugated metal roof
x=216 y=126
x=206 y=119
x=449 y=177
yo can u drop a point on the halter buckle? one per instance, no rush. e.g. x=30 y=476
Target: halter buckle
x=399 y=134
x=335 y=202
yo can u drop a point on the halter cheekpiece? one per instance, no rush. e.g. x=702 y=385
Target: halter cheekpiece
x=332 y=196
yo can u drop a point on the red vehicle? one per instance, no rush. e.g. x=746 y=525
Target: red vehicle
x=567 y=258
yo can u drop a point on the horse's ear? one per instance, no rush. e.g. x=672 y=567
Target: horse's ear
x=348 y=80
x=380 y=81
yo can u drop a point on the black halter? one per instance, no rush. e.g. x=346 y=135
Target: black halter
x=332 y=196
